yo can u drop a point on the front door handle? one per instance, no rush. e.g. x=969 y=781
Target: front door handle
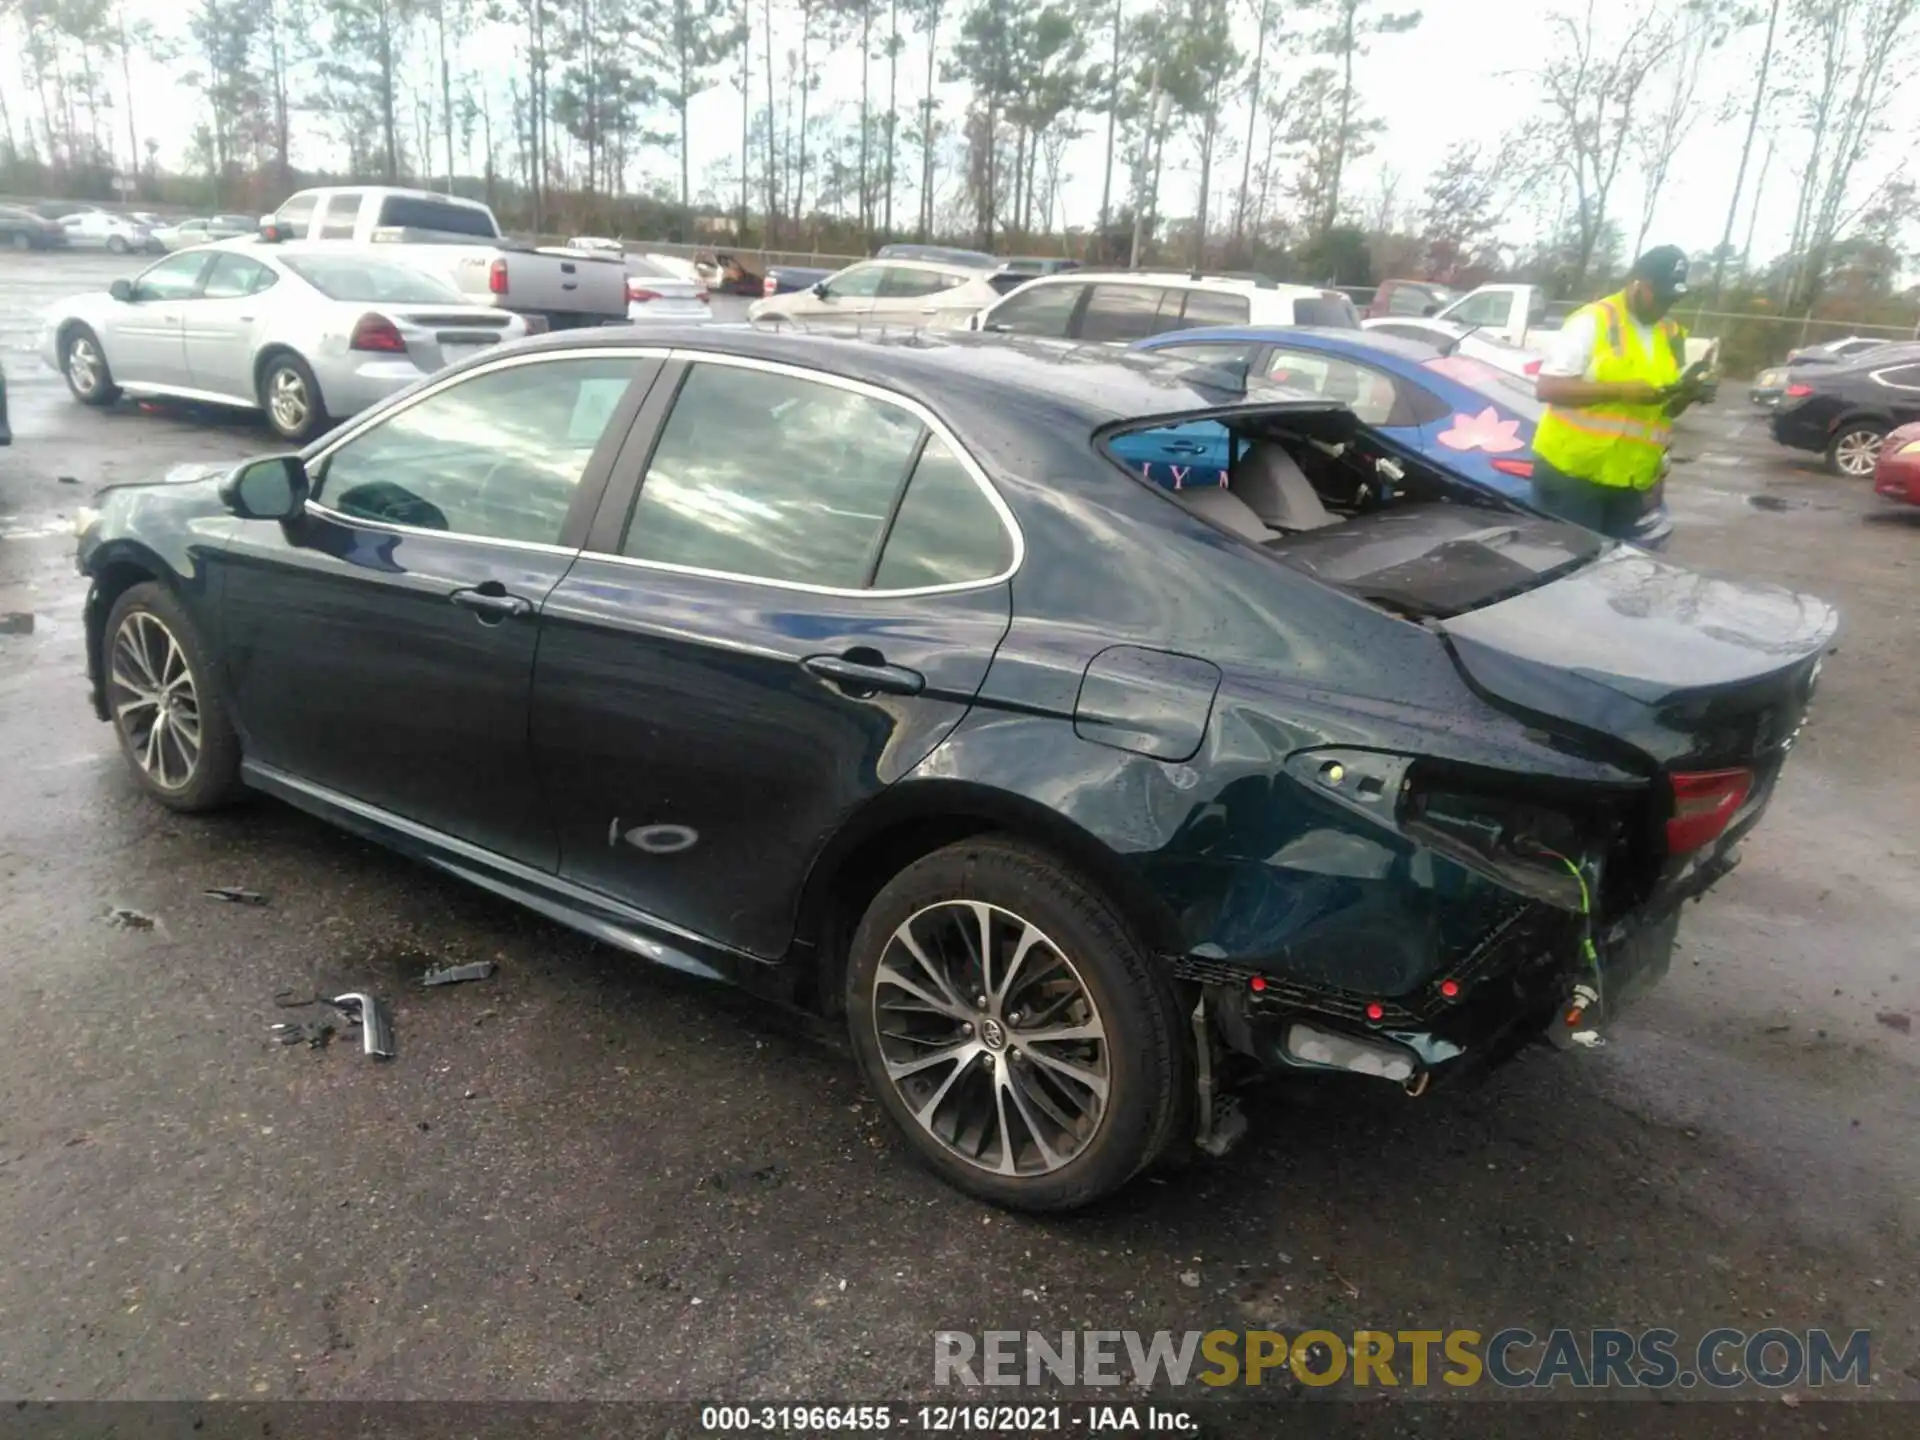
x=1185 y=447
x=490 y=601
x=862 y=672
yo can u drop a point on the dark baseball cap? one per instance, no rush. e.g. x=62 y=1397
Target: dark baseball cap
x=1664 y=268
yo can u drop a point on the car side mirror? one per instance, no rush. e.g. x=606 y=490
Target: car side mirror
x=1433 y=309
x=820 y=289
x=121 y=290
x=273 y=488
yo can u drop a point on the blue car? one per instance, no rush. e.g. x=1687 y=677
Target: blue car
x=1461 y=414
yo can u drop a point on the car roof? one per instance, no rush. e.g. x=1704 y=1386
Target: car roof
x=1309 y=337
x=1174 y=279
x=1054 y=384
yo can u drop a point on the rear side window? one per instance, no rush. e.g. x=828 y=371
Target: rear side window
x=297 y=213
x=947 y=532
x=772 y=477
x=1406 y=300
x=1043 y=310
x=1366 y=391
x=414 y=213
x=1211 y=307
x=1331 y=310
x=1903 y=377
x=1124 y=313
x=234 y=276
x=898 y=282
x=337 y=220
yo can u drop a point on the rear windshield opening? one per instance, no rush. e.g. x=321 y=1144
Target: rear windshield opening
x=411 y=212
x=374 y=282
x=1321 y=495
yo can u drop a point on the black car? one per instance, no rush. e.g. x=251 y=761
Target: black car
x=22 y=229
x=6 y=430
x=784 y=279
x=1843 y=410
x=862 y=674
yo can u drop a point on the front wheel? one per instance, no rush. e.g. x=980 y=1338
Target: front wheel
x=116 y=245
x=164 y=696
x=1014 y=1028
x=291 y=398
x=1855 y=449
x=84 y=364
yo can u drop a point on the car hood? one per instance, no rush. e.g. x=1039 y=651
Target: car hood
x=1687 y=668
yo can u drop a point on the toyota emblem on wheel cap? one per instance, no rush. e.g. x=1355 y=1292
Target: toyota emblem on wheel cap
x=992 y=1034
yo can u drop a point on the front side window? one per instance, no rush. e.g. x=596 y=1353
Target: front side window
x=336 y=222
x=862 y=282
x=497 y=456
x=1405 y=300
x=1041 y=310
x=297 y=213
x=772 y=477
x=1367 y=392
x=175 y=278
x=947 y=531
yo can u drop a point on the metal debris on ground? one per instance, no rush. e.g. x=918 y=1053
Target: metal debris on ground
x=233 y=894
x=129 y=919
x=1896 y=1020
x=376 y=1027
x=455 y=974
x=16 y=622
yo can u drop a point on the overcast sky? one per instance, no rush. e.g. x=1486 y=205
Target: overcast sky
x=1457 y=77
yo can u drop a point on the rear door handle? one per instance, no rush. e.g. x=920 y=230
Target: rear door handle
x=1185 y=447
x=863 y=672
x=491 y=603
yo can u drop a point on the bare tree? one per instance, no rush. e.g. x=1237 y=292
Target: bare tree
x=1760 y=96
x=1846 y=48
x=1349 y=25
x=1255 y=75
x=1700 y=29
x=1589 y=92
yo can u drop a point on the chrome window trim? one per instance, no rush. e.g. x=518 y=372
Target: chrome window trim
x=379 y=416
x=935 y=426
x=1879 y=377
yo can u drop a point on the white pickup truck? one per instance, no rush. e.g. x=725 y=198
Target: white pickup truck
x=1522 y=315
x=461 y=241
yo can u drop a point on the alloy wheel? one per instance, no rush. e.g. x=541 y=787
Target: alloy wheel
x=83 y=364
x=287 y=400
x=991 y=1038
x=155 y=702
x=1856 y=452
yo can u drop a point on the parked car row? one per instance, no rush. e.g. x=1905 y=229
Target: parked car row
x=1077 y=795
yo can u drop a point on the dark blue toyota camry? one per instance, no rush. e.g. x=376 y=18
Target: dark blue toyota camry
x=864 y=673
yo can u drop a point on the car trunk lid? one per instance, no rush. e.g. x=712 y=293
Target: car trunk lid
x=439 y=337
x=1695 y=672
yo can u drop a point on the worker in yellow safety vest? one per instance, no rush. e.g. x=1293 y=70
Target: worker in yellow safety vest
x=1613 y=382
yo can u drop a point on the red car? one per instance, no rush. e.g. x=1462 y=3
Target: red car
x=1896 y=474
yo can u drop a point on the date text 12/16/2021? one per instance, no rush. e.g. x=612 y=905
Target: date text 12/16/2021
x=943 y=1419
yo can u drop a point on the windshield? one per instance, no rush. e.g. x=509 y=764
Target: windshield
x=378 y=282
x=1512 y=391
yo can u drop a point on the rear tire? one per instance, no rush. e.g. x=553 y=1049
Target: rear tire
x=1065 y=1083
x=84 y=364
x=169 y=710
x=22 y=240
x=116 y=245
x=1855 y=449
x=290 y=398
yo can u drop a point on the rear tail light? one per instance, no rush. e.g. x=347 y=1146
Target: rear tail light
x=376 y=332
x=1704 y=804
x=1531 y=368
x=769 y=286
x=701 y=296
x=1521 y=468
x=497 y=276
x=1798 y=391
x=639 y=294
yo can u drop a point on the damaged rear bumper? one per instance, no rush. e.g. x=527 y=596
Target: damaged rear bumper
x=1513 y=989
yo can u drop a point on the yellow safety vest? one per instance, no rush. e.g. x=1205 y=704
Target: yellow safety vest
x=1619 y=446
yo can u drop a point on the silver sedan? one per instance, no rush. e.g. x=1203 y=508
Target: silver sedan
x=307 y=335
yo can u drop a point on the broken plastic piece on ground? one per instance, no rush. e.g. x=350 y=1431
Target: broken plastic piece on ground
x=234 y=894
x=1775 y=502
x=316 y=1034
x=376 y=1029
x=454 y=974
x=129 y=919
x=1896 y=1020
x=68 y=479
